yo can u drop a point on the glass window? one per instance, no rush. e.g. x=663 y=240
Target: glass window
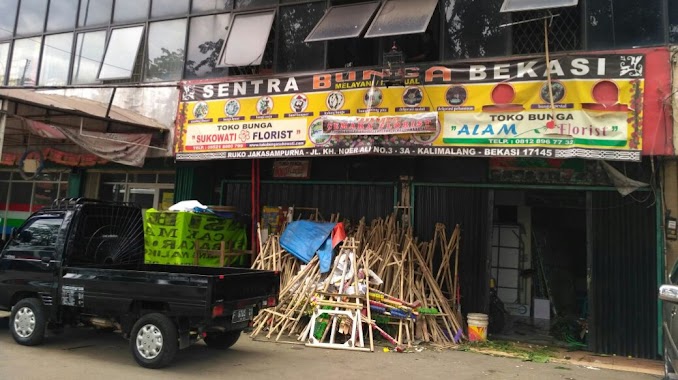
x=130 y=10
x=7 y=17
x=165 y=178
x=24 y=68
x=295 y=22
x=205 y=40
x=142 y=197
x=56 y=59
x=89 y=52
x=624 y=23
x=20 y=196
x=45 y=194
x=47 y=176
x=4 y=55
x=210 y=5
x=142 y=178
x=254 y=3
x=40 y=233
x=95 y=12
x=31 y=17
x=112 y=192
x=402 y=17
x=246 y=42
x=164 y=8
x=121 y=53
x=61 y=15
x=472 y=29
x=345 y=21
x=113 y=177
x=529 y=5
x=352 y=52
x=673 y=22
x=165 y=55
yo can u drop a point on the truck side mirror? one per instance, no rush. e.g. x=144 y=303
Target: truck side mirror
x=14 y=232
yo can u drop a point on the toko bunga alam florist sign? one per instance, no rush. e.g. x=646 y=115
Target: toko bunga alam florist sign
x=463 y=109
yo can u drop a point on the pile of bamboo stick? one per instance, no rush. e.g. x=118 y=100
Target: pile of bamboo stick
x=417 y=301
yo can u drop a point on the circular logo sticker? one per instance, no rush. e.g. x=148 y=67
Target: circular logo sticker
x=456 y=95
x=316 y=134
x=232 y=108
x=427 y=138
x=265 y=105
x=413 y=96
x=299 y=103
x=200 y=110
x=558 y=92
x=373 y=98
x=335 y=101
x=244 y=135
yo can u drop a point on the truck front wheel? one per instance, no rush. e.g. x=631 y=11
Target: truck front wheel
x=221 y=340
x=154 y=341
x=27 y=322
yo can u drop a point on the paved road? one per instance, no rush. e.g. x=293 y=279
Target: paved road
x=87 y=354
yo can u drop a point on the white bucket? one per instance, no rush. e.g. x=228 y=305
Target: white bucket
x=477 y=327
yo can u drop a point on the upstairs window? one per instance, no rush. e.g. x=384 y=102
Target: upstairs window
x=206 y=38
x=8 y=10
x=95 y=12
x=397 y=17
x=293 y=25
x=626 y=23
x=130 y=11
x=564 y=32
x=165 y=50
x=534 y=5
x=62 y=15
x=472 y=29
x=31 y=17
x=343 y=21
x=247 y=39
x=121 y=53
x=56 y=59
x=404 y=23
x=89 y=48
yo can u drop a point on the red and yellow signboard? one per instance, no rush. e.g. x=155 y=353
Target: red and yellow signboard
x=465 y=109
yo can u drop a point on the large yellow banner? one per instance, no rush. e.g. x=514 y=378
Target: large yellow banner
x=491 y=110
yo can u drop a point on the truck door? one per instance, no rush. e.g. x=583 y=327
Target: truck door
x=28 y=261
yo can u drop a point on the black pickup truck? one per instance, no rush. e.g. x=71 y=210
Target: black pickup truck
x=81 y=262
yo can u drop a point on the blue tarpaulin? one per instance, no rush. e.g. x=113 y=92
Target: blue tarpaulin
x=304 y=238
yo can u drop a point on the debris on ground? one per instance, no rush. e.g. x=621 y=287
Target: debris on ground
x=382 y=283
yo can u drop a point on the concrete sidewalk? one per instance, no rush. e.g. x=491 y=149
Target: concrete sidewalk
x=588 y=359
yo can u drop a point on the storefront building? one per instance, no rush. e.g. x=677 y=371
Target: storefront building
x=457 y=125
x=306 y=103
x=88 y=97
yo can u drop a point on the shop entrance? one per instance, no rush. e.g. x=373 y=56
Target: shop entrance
x=539 y=265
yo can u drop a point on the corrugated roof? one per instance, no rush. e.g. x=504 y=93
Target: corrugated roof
x=80 y=107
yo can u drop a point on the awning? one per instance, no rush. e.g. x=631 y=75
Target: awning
x=69 y=111
x=60 y=125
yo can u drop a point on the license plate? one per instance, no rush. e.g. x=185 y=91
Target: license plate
x=242 y=315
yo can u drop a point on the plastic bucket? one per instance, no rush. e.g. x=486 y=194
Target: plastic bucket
x=477 y=327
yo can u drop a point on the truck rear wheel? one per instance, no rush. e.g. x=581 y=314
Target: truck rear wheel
x=222 y=340
x=154 y=341
x=27 y=322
